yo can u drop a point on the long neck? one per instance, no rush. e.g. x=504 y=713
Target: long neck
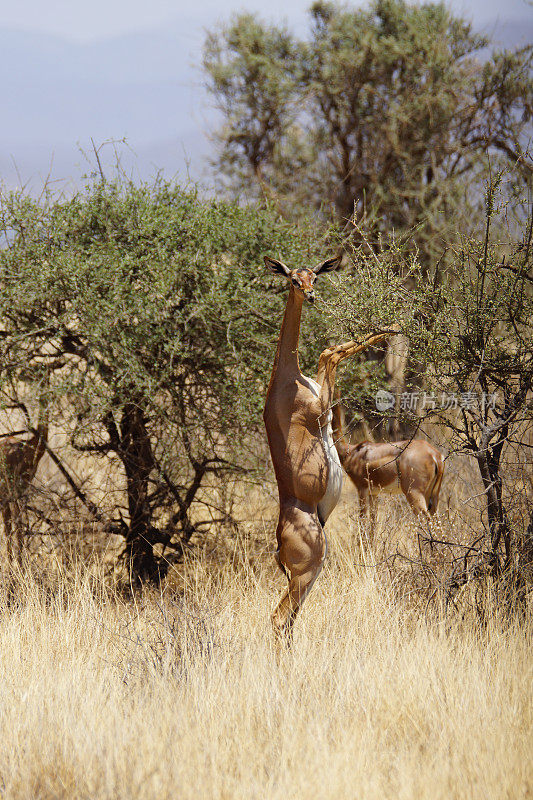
x=286 y=359
x=337 y=425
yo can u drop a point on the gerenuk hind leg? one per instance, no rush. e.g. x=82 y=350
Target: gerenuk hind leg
x=301 y=554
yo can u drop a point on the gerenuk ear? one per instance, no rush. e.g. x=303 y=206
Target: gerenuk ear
x=328 y=265
x=278 y=267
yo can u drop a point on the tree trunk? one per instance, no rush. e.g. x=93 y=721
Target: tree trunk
x=489 y=467
x=136 y=454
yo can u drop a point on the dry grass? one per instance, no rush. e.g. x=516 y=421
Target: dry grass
x=183 y=695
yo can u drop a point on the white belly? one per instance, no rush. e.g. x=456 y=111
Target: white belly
x=335 y=473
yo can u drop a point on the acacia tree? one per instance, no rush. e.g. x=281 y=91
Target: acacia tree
x=470 y=330
x=384 y=110
x=155 y=313
x=478 y=349
x=255 y=97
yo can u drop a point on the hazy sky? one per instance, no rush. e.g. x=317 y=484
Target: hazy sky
x=78 y=70
x=85 y=21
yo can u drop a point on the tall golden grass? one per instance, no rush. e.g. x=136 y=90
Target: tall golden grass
x=182 y=694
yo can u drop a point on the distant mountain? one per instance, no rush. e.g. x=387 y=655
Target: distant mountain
x=139 y=58
x=56 y=93
x=146 y=87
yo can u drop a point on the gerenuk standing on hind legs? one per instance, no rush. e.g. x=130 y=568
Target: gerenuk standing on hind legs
x=298 y=423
